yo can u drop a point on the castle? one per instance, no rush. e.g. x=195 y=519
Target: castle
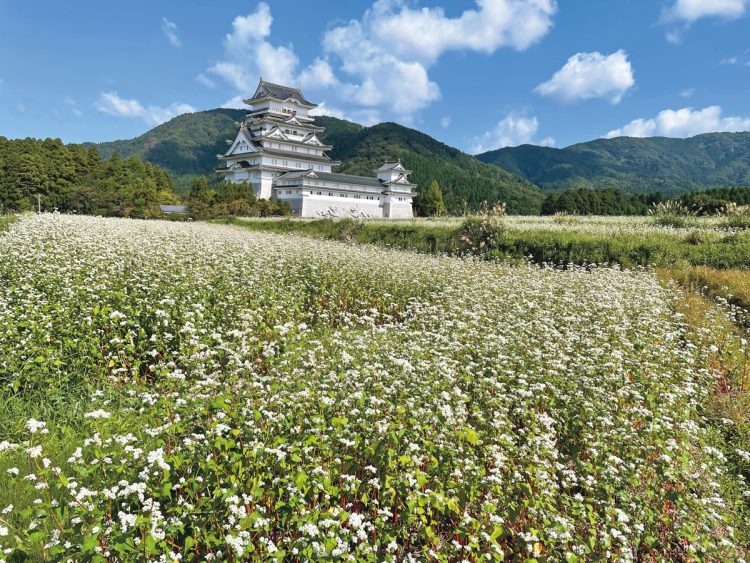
x=278 y=151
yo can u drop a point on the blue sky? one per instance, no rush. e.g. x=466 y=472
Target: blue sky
x=476 y=74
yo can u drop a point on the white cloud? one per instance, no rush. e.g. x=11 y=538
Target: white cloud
x=112 y=104
x=445 y=122
x=685 y=122
x=548 y=142
x=425 y=34
x=71 y=103
x=729 y=61
x=319 y=73
x=512 y=130
x=205 y=80
x=364 y=116
x=674 y=36
x=690 y=11
x=636 y=128
x=235 y=102
x=325 y=109
x=684 y=13
x=591 y=75
x=363 y=69
x=687 y=92
x=233 y=73
x=170 y=31
x=248 y=53
x=392 y=75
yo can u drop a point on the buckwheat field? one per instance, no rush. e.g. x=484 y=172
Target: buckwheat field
x=201 y=392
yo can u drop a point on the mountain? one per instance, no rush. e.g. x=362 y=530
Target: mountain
x=188 y=144
x=633 y=165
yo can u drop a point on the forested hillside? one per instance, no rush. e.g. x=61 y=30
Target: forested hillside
x=634 y=165
x=75 y=178
x=461 y=177
x=188 y=145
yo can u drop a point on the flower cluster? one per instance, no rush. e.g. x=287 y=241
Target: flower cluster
x=214 y=394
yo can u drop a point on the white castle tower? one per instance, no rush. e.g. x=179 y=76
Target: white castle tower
x=278 y=151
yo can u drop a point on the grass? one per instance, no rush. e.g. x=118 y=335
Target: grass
x=731 y=285
x=278 y=397
x=727 y=408
x=573 y=244
x=705 y=261
x=6 y=220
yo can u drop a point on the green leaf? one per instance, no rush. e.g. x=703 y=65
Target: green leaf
x=90 y=543
x=301 y=480
x=339 y=422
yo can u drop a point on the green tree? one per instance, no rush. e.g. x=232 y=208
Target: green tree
x=430 y=202
x=200 y=193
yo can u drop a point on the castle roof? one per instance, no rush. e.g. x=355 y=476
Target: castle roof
x=295 y=155
x=331 y=177
x=279 y=92
x=397 y=166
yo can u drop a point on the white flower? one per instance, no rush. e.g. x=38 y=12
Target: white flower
x=6 y=446
x=97 y=414
x=127 y=520
x=35 y=425
x=156 y=457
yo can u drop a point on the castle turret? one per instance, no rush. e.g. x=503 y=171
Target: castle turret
x=398 y=191
x=277 y=136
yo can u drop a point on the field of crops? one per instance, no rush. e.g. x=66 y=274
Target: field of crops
x=176 y=391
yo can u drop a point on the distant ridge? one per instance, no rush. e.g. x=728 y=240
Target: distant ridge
x=635 y=165
x=189 y=143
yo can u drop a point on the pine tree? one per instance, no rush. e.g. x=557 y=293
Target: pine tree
x=430 y=202
x=200 y=193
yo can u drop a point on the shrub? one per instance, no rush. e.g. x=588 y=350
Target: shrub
x=480 y=235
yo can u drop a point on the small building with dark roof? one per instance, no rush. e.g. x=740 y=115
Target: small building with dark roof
x=174 y=209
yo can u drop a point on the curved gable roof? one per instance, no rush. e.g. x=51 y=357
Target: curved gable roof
x=279 y=92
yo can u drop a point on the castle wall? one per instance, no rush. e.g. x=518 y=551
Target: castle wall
x=311 y=205
x=399 y=210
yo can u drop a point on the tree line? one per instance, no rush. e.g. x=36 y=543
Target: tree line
x=584 y=201
x=73 y=178
x=612 y=201
x=225 y=199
